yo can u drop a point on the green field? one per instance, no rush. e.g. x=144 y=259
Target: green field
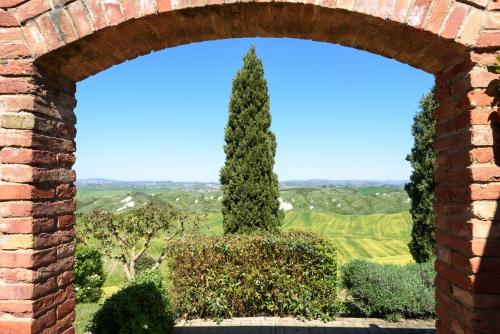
x=363 y=222
x=340 y=200
x=379 y=237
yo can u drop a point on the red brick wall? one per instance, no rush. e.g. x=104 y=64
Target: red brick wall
x=467 y=217
x=46 y=46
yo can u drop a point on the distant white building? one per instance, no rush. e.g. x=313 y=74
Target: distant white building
x=285 y=206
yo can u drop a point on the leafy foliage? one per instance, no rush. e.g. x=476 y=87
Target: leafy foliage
x=249 y=185
x=89 y=275
x=145 y=262
x=495 y=68
x=421 y=186
x=126 y=237
x=390 y=291
x=241 y=275
x=141 y=307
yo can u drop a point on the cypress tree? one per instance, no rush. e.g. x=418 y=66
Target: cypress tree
x=249 y=185
x=421 y=185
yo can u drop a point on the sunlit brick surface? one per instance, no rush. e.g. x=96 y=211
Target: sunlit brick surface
x=46 y=46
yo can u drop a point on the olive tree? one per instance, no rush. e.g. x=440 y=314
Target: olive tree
x=127 y=237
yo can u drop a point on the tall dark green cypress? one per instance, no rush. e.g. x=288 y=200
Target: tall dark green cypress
x=249 y=185
x=421 y=186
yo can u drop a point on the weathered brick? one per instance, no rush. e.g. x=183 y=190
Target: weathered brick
x=17 y=67
x=66 y=191
x=418 y=12
x=31 y=9
x=113 y=12
x=10 y=3
x=26 y=258
x=65 y=308
x=479 y=97
x=400 y=10
x=17 y=86
x=7 y=19
x=147 y=7
x=471 y=299
x=49 y=32
x=64 y=26
x=163 y=5
x=63 y=325
x=438 y=11
x=66 y=160
x=46 y=240
x=11 y=155
x=66 y=251
x=16 y=241
x=488 y=39
x=24 y=173
x=454 y=20
x=13 y=50
x=11 y=34
x=15 y=325
x=45 y=321
x=81 y=21
x=40 y=122
x=470 y=30
x=493 y=5
x=365 y=6
x=16 y=209
x=29 y=121
x=16 y=191
x=34 y=38
x=27 y=225
x=97 y=14
x=45 y=209
x=18 y=308
x=346 y=4
x=492 y=21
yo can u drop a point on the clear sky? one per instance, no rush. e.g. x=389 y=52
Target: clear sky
x=338 y=113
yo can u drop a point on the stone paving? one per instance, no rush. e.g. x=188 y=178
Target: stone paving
x=270 y=325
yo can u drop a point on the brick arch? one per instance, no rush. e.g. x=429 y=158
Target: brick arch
x=82 y=38
x=46 y=46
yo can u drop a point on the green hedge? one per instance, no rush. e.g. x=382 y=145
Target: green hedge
x=290 y=274
x=390 y=291
x=89 y=275
x=141 y=307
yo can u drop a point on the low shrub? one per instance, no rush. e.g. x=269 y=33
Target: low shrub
x=89 y=275
x=289 y=274
x=145 y=262
x=390 y=291
x=140 y=307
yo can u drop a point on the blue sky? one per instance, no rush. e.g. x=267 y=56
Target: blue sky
x=338 y=113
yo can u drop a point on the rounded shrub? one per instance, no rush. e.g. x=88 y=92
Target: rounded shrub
x=141 y=307
x=89 y=274
x=390 y=291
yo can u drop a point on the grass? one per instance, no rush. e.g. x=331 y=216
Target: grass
x=371 y=236
x=382 y=238
x=371 y=222
x=84 y=313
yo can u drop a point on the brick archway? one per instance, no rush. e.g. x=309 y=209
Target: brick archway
x=46 y=46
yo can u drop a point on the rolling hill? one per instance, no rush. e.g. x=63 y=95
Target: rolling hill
x=365 y=222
